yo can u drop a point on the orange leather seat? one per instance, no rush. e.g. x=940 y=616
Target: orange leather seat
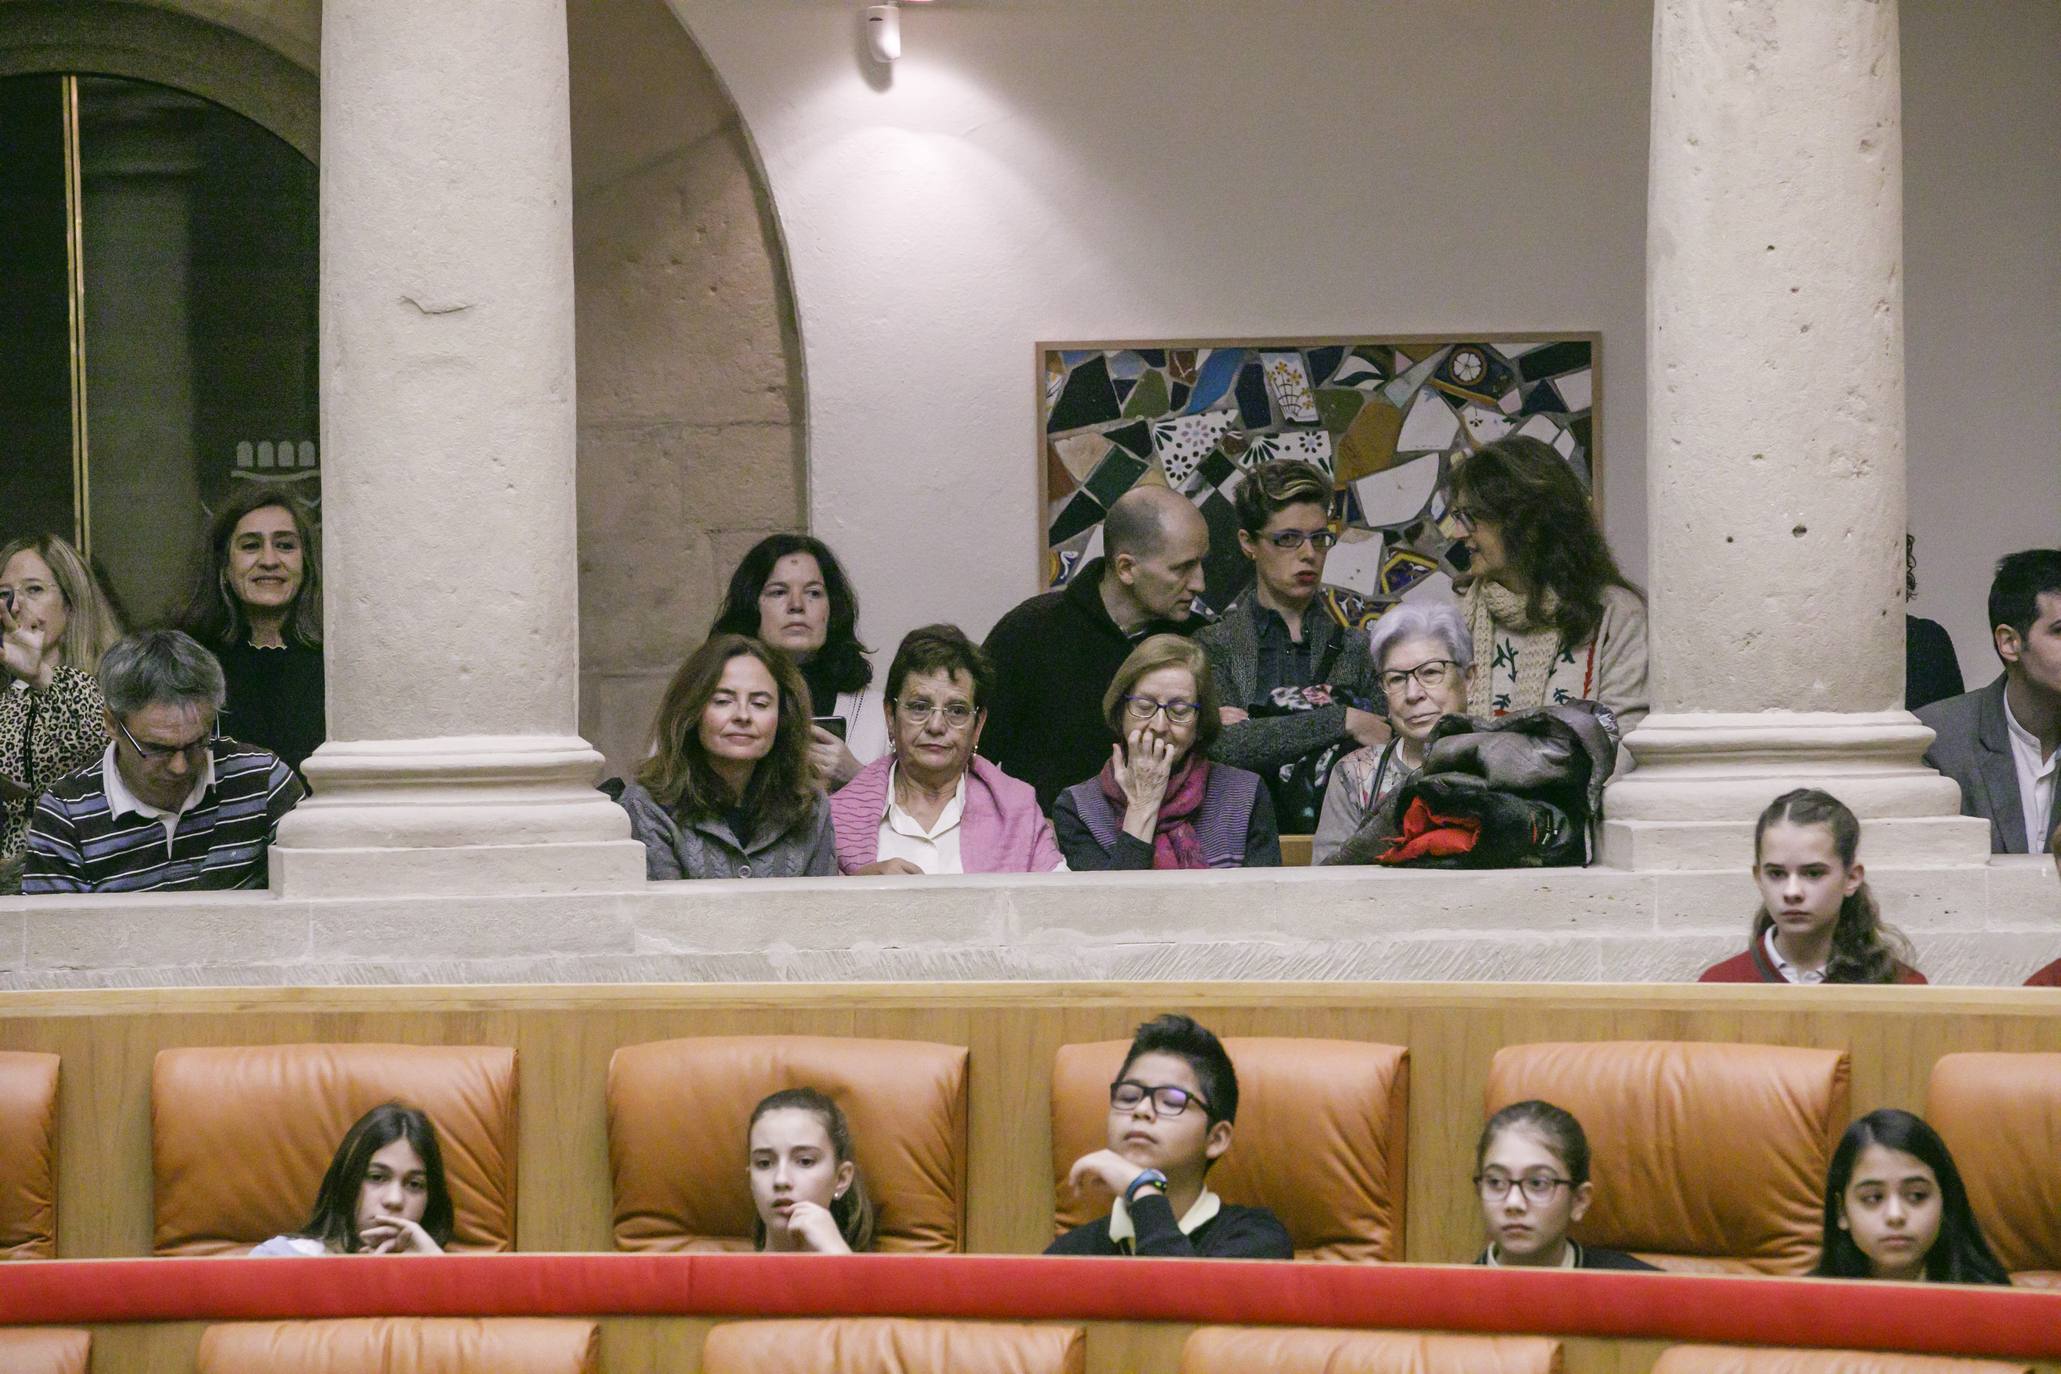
x=28 y=1156
x=1320 y=1138
x=1308 y=1350
x=416 y=1345
x=44 y=1350
x=240 y=1138
x=893 y=1345
x=1729 y=1359
x=1705 y=1156
x=678 y=1117
x=2000 y=1114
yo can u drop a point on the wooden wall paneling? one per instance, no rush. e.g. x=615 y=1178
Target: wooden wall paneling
x=564 y=1037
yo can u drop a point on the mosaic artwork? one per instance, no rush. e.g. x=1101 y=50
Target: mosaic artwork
x=1387 y=420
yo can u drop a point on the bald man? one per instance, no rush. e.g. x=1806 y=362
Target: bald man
x=1056 y=654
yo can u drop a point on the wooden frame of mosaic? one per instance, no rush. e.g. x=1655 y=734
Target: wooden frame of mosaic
x=1386 y=415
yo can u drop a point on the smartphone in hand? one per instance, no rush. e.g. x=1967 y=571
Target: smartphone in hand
x=834 y=724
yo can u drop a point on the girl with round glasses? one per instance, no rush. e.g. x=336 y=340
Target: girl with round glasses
x=1531 y=1169
x=1160 y=802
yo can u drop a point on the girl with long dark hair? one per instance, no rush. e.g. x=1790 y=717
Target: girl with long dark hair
x=1818 y=922
x=384 y=1193
x=1895 y=1208
x=791 y=593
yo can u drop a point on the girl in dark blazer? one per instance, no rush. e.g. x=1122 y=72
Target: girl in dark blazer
x=1531 y=1170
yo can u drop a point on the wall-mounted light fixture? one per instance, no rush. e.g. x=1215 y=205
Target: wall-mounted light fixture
x=884 y=29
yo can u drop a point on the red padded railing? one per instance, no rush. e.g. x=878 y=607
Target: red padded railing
x=1933 y=1319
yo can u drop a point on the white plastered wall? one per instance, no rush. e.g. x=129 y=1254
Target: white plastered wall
x=1167 y=168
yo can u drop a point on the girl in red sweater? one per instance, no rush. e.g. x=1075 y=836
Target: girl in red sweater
x=1817 y=922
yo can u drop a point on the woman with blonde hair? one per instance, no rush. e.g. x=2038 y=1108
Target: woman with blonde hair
x=1159 y=802
x=55 y=623
x=729 y=791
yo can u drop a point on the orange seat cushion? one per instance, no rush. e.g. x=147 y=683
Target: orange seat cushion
x=44 y=1350
x=1704 y=1156
x=28 y=1155
x=1730 y=1359
x=1305 y=1350
x=2000 y=1115
x=394 y=1345
x=1320 y=1139
x=678 y=1130
x=893 y=1345
x=241 y=1137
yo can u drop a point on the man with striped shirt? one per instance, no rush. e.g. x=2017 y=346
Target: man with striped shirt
x=170 y=805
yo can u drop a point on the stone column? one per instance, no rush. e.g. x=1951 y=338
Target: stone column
x=454 y=760
x=1775 y=407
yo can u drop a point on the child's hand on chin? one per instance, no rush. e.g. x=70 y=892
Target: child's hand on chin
x=1105 y=1168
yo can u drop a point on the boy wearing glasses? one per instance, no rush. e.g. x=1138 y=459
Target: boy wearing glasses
x=1293 y=680
x=1170 y=1114
x=170 y=805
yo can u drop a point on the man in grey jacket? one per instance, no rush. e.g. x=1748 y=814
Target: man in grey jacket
x=2002 y=744
x=1278 y=635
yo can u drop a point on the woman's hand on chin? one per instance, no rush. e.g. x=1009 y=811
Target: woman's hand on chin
x=815 y=1230
x=397 y=1236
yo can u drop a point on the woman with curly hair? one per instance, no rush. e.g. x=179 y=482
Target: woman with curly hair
x=1552 y=616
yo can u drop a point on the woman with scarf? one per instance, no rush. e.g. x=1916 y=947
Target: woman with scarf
x=1159 y=802
x=1553 y=618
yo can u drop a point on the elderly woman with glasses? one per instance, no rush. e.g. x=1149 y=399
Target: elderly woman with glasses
x=1424 y=661
x=1159 y=802
x=931 y=805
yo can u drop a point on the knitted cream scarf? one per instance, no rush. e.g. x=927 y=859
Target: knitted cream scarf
x=1493 y=608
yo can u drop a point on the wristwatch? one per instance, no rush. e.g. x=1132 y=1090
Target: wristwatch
x=1151 y=1178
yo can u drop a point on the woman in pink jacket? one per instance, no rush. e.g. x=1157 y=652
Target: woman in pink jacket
x=932 y=805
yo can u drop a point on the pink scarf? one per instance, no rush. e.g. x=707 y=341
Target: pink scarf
x=1174 y=841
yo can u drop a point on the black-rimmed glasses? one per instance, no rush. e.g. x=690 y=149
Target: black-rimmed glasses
x=1290 y=540
x=1430 y=674
x=1538 y=1189
x=1145 y=708
x=1167 y=1100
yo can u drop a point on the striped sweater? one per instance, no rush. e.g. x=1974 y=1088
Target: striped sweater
x=77 y=845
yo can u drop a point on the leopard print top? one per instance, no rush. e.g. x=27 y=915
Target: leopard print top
x=42 y=738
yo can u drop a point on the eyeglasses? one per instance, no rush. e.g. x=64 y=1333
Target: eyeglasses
x=1167 y=1100
x=1145 y=708
x=957 y=714
x=1538 y=1188
x=157 y=753
x=1431 y=674
x=1463 y=516
x=1289 y=540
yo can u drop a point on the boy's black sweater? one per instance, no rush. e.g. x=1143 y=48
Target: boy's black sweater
x=1233 y=1233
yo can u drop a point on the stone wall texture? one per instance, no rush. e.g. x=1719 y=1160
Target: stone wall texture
x=690 y=433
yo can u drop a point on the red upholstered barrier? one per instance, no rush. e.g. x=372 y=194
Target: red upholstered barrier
x=1924 y=1318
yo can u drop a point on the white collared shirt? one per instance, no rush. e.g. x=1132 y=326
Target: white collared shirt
x=1124 y=1231
x=935 y=850
x=1570 y=1258
x=1790 y=972
x=2035 y=780
x=122 y=802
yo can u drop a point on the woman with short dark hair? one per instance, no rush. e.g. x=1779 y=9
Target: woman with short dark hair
x=257 y=603
x=931 y=805
x=1552 y=616
x=791 y=593
x=728 y=791
x=1160 y=802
